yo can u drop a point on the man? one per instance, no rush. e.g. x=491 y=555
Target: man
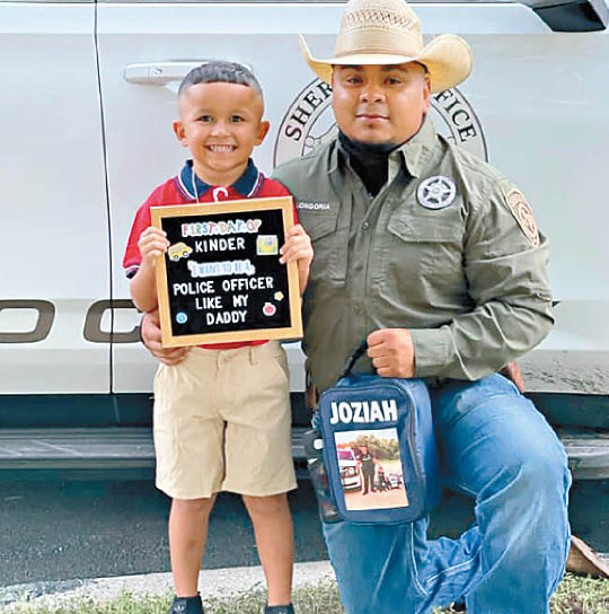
x=365 y=462
x=434 y=257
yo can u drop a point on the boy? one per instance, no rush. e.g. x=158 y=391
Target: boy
x=222 y=416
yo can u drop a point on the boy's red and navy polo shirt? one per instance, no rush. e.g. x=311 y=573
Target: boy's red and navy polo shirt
x=187 y=188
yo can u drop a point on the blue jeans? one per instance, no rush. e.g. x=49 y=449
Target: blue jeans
x=496 y=447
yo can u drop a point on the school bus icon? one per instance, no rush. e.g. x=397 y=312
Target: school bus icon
x=179 y=250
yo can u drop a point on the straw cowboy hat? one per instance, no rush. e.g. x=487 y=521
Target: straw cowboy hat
x=389 y=32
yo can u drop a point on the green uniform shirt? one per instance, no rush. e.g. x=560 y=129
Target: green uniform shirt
x=448 y=249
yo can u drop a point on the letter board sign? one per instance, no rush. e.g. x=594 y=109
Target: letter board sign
x=221 y=279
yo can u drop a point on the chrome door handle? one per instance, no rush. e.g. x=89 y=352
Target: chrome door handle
x=159 y=73
x=162 y=73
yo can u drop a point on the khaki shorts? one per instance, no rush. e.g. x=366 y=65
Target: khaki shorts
x=222 y=421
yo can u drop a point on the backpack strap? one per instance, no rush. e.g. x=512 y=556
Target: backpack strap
x=359 y=352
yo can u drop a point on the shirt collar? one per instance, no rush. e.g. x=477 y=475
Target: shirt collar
x=417 y=151
x=247 y=185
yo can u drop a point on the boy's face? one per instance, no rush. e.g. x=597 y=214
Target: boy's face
x=220 y=123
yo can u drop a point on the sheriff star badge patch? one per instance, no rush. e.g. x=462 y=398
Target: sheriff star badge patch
x=436 y=192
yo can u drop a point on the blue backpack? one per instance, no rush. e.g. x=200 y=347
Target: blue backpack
x=379 y=448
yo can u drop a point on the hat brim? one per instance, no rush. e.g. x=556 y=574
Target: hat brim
x=447 y=58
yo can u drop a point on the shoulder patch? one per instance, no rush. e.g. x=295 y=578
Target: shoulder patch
x=524 y=216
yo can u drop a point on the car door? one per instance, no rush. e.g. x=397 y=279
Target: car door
x=54 y=226
x=145 y=50
x=534 y=107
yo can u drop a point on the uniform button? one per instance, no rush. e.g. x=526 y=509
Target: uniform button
x=365 y=225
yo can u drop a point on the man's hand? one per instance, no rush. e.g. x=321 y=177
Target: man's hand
x=392 y=352
x=151 y=337
x=512 y=372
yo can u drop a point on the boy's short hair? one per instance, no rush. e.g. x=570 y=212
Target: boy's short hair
x=220 y=71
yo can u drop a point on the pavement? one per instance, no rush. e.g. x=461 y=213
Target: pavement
x=213 y=583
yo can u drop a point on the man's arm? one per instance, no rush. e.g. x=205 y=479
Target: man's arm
x=392 y=353
x=505 y=263
x=150 y=331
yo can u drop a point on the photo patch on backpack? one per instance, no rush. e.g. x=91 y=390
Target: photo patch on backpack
x=370 y=464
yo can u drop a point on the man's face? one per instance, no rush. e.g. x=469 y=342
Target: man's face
x=380 y=104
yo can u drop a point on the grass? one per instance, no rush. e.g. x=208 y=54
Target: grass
x=575 y=595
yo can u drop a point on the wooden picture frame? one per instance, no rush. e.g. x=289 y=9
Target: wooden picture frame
x=220 y=281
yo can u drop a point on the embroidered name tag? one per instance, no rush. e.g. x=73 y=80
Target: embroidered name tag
x=313 y=206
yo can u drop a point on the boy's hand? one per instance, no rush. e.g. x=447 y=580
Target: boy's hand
x=152 y=244
x=297 y=247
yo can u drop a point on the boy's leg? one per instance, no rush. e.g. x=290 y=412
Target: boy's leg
x=258 y=451
x=188 y=522
x=275 y=541
x=188 y=439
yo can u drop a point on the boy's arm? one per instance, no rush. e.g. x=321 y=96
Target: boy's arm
x=143 y=289
x=152 y=244
x=298 y=247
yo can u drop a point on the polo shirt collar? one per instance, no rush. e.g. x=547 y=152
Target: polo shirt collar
x=247 y=185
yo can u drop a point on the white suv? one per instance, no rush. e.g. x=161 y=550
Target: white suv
x=86 y=105
x=350 y=476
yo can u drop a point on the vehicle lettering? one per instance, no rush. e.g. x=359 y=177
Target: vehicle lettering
x=309 y=122
x=44 y=322
x=92 y=330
